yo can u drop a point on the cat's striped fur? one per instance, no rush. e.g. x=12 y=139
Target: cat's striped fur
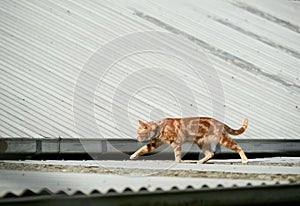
x=204 y=131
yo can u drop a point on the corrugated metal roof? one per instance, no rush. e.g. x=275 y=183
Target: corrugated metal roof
x=70 y=183
x=119 y=175
x=46 y=47
x=54 y=180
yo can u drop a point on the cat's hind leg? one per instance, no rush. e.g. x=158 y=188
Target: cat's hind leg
x=228 y=142
x=152 y=145
x=207 y=151
x=208 y=156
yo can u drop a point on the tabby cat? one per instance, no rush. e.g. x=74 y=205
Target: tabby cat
x=204 y=131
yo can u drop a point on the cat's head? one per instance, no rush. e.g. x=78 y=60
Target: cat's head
x=146 y=131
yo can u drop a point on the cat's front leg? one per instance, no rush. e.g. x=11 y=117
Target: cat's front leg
x=139 y=152
x=134 y=156
x=177 y=151
x=152 y=145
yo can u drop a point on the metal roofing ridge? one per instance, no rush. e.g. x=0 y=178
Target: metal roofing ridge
x=19 y=183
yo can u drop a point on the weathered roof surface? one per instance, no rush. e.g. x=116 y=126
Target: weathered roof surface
x=46 y=47
x=40 y=181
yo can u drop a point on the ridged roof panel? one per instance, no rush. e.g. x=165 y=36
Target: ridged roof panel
x=46 y=45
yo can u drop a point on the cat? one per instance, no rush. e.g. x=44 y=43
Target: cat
x=204 y=131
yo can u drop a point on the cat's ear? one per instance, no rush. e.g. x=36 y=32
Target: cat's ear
x=142 y=123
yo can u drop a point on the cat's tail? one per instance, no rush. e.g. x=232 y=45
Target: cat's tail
x=238 y=131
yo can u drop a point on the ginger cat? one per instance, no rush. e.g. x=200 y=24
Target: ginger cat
x=204 y=131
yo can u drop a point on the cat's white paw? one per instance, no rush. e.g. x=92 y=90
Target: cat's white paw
x=245 y=161
x=133 y=156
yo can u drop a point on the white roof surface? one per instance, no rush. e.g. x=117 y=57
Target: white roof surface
x=65 y=72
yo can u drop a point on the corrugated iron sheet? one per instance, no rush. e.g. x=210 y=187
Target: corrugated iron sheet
x=72 y=183
x=58 y=181
x=46 y=45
